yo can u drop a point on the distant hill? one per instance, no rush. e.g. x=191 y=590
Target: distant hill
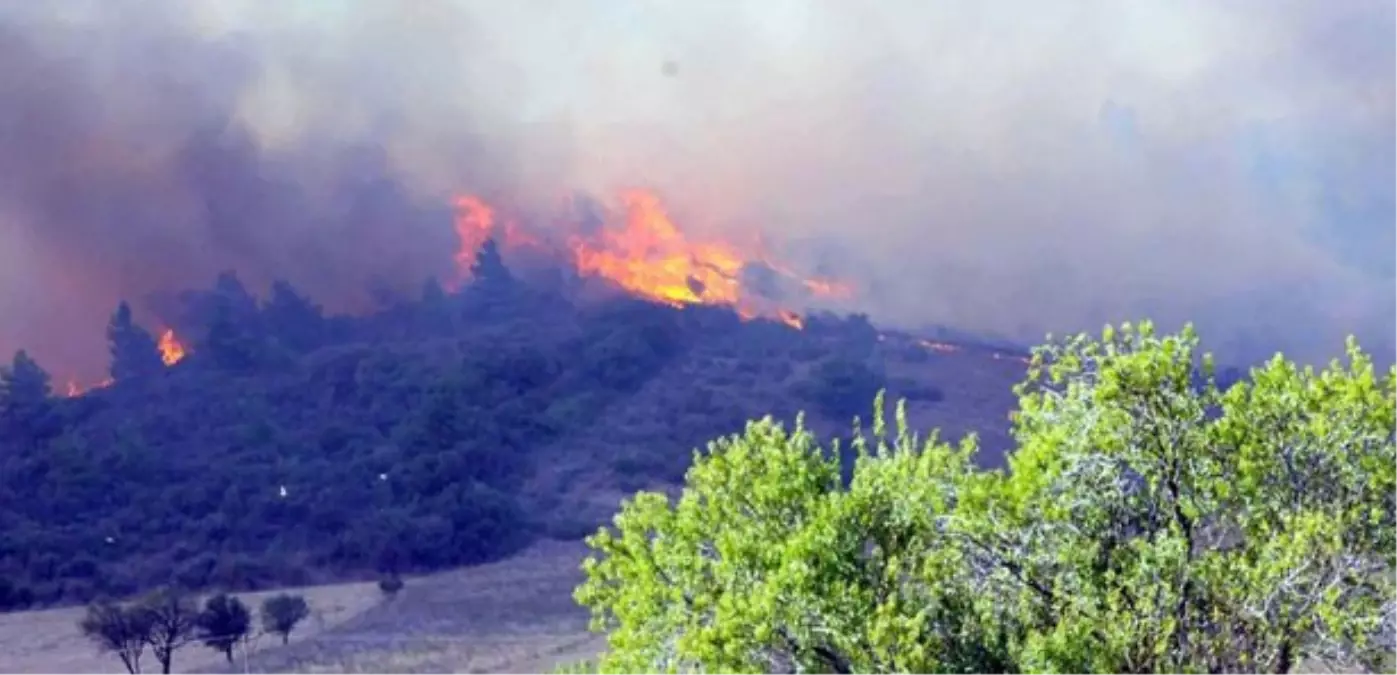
x=290 y=447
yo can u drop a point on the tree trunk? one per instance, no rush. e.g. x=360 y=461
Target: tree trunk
x=228 y=652
x=1287 y=658
x=286 y=637
x=165 y=665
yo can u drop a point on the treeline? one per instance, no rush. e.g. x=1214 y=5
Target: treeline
x=292 y=447
x=169 y=620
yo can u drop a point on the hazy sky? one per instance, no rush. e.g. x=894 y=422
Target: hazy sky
x=1009 y=167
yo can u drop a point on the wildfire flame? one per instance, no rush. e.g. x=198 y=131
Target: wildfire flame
x=648 y=255
x=171 y=350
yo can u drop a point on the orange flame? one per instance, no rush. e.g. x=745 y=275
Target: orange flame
x=650 y=257
x=647 y=255
x=171 y=350
x=475 y=221
x=474 y=224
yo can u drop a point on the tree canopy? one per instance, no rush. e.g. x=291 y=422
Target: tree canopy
x=289 y=445
x=1149 y=520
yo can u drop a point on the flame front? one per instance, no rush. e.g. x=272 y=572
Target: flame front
x=475 y=222
x=648 y=255
x=651 y=258
x=171 y=351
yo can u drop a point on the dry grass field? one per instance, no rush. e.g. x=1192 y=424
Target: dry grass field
x=515 y=615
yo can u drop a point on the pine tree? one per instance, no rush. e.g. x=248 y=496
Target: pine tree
x=134 y=351
x=231 y=344
x=24 y=380
x=436 y=314
x=296 y=322
x=489 y=268
x=25 y=397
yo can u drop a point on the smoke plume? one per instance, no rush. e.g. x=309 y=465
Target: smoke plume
x=1008 y=168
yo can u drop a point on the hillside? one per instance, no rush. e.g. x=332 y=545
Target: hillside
x=291 y=447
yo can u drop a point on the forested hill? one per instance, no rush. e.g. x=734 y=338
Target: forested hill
x=446 y=429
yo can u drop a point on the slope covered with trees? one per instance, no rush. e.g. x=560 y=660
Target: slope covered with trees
x=290 y=446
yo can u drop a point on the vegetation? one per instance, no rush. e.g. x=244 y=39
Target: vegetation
x=1149 y=521
x=390 y=585
x=294 y=447
x=224 y=623
x=281 y=614
x=119 y=629
x=166 y=621
x=172 y=622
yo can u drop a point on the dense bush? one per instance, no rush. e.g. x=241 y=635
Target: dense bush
x=1149 y=521
x=840 y=386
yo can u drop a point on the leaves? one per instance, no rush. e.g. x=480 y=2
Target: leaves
x=1149 y=521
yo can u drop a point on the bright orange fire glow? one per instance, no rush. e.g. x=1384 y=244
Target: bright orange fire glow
x=648 y=255
x=475 y=221
x=171 y=350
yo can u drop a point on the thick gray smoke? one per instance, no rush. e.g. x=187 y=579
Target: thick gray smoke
x=1004 y=167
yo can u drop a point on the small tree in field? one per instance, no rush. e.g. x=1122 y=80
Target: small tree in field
x=281 y=613
x=121 y=630
x=390 y=585
x=172 y=618
x=224 y=621
x=1148 y=522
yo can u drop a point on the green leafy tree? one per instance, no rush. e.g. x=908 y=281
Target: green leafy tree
x=133 y=349
x=118 y=629
x=768 y=563
x=282 y=612
x=1160 y=525
x=223 y=623
x=1146 y=523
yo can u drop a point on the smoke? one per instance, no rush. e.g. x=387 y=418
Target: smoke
x=1009 y=168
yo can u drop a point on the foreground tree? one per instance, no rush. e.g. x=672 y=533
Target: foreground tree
x=118 y=629
x=768 y=564
x=1148 y=522
x=223 y=623
x=1167 y=526
x=281 y=613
